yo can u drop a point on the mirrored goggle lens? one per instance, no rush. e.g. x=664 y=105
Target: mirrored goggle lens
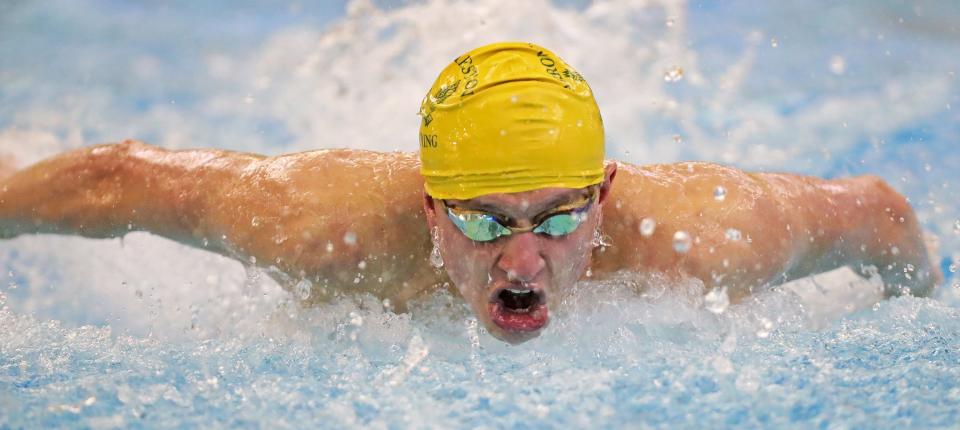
x=483 y=228
x=478 y=227
x=561 y=224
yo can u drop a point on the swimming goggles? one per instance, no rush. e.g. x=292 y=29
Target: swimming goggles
x=481 y=226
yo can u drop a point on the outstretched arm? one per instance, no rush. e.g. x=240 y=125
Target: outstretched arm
x=761 y=229
x=859 y=221
x=334 y=217
x=108 y=190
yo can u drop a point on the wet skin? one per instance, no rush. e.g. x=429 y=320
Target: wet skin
x=358 y=221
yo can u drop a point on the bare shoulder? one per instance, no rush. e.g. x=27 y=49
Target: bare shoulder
x=331 y=216
x=713 y=222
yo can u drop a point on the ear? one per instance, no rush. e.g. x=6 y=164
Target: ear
x=609 y=173
x=429 y=209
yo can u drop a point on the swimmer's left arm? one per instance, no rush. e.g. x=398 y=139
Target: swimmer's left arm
x=764 y=229
x=861 y=222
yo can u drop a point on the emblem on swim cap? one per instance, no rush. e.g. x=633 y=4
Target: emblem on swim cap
x=506 y=118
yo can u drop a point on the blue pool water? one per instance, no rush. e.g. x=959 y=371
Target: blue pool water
x=144 y=332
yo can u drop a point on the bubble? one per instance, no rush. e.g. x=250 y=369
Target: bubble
x=952 y=268
x=894 y=250
x=733 y=234
x=255 y=221
x=956 y=227
x=673 y=75
x=647 y=227
x=719 y=193
x=717 y=300
x=837 y=65
x=329 y=246
x=350 y=238
x=681 y=242
x=774 y=42
x=362 y=264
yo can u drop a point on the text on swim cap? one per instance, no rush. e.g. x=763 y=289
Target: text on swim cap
x=428 y=140
x=551 y=67
x=470 y=73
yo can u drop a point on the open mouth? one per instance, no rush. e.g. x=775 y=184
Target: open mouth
x=519 y=309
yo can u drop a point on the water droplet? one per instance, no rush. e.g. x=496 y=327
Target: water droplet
x=255 y=222
x=927 y=167
x=303 y=289
x=436 y=259
x=503 y=132
x=248 y=99
x=894 y=250
x=726 y=262
x=647 y=227
x=589 y=272
x=719 y=193
x=952 y=268
x=733 y=234
x=673 y=75
x=682 y=242
x=600 y=240
x=362 y=264
x=329 y=246
x=837 y=65
x=513 y=99
x=677 y=139
x=717 y=300
x=350 y=238
x=956 y=227
x=774 y=42
x=579 y=123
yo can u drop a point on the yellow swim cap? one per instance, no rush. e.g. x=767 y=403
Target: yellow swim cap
x=509 y=117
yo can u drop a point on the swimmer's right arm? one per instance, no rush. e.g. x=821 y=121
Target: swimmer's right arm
x=321 y=214
x=105 y=191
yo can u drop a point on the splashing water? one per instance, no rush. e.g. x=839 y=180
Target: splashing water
x=155 y=334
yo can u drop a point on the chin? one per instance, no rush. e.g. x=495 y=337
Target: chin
x=513 y=337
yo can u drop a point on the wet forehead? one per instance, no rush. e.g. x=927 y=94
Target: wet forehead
x=523 y=204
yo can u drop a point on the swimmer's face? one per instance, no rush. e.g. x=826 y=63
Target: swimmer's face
x=512 y=282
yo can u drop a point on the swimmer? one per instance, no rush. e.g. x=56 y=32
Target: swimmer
x=510 y=201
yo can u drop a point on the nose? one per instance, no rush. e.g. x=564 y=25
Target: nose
x=520 y=258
